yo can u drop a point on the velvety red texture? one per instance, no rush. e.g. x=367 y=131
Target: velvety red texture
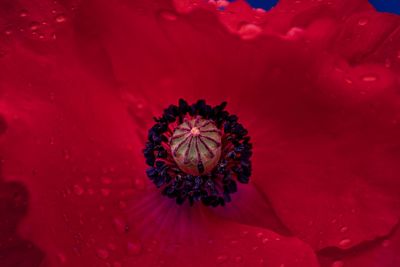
x=316 y=83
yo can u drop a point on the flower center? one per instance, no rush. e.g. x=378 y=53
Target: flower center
x=196 y=146
x=198 y=153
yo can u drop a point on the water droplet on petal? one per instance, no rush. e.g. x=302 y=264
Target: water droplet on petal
x=60 y=19
x=102 y=253
x=345 y=243
x=369 y=78
x=265 y=240
x=78 y=190
x=344 y=229
x=260 y=234
x=338 y=264
x=249 y=31
x=222 y=259
x=363 y=22
x=348 y=81
x=23 y=14
x=134 y=248
x=294 y=33
x=260 y=10
x=34 y=26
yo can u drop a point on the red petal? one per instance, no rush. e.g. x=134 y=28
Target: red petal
x=327 y=155
x=180 y=235
x=366 y=33
x=72 y=142
x=250 y=207
x=64 y=126
x=70 y=153
x=325 y=102
x=383 y=252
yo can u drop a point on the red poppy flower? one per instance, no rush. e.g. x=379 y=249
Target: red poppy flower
x=315 y=83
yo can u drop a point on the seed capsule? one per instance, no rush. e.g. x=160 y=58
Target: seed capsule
x=196 y=146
